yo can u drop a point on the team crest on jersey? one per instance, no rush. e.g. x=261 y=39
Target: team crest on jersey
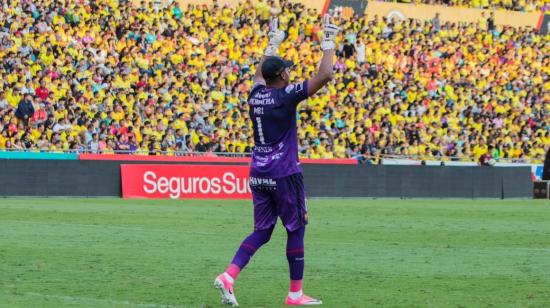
x=289 y=88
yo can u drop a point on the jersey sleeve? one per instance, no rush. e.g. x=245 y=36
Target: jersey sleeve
x=256 y=87
x=296 y=92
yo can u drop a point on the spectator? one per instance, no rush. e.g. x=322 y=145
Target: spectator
x=42 y=92
x=25 y=109
x=202 y=146
x=360 y=48
x=491 y=22
x=485 y=159
x=3 y=102
x=436 y=23
x=43 y=142
x=348 y=50
x=62 y=126
x=173 y=77
x=93 y=145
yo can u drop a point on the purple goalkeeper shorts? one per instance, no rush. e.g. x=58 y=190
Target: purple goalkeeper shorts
x=284 y=198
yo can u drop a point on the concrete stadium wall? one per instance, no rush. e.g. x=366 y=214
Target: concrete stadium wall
x=102 y=178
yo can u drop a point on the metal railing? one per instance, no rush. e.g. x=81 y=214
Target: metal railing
x=359 y=157
x=130 y=152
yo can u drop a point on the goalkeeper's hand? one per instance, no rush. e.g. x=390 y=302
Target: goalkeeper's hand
x=330 y=31
x=276 y=37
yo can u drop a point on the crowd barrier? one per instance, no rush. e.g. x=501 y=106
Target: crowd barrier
x=228 y=179
x=38 y=155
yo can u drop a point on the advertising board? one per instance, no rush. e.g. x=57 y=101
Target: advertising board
x=185 y=181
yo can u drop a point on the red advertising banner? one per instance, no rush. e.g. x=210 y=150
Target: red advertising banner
x=185 y=181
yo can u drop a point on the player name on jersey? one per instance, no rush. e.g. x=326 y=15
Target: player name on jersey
x=273 y=113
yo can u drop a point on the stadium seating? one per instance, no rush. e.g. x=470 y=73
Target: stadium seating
x=112 y=76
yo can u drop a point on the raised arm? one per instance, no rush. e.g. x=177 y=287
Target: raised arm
x=325 y=71
x=258 y=78
x=276 y=37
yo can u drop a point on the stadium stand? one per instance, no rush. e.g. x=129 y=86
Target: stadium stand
x=111 y=76
x=521 y=5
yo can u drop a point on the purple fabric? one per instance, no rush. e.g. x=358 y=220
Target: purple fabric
x=284 y=198
x=295 y=253
x=250 y=245
x=273 y=113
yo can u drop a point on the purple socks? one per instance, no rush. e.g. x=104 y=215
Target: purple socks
x=249 y=246
x=295 y=253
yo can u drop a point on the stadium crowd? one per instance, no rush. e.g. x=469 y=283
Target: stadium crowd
x=514 y=5
x=104 y=76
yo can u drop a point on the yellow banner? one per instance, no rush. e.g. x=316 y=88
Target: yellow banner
x=453 y=14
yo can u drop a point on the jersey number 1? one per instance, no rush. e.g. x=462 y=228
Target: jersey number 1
x=260 y=130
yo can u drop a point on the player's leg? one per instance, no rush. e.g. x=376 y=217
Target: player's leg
x=265 y=217
x=224 y=282
x=247 y=249
x=292 y=208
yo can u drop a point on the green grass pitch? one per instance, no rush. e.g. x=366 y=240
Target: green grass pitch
x=359 y=253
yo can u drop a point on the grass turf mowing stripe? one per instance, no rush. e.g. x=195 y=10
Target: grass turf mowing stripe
x=383 y=253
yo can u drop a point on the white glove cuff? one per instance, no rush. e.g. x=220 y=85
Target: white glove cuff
x=328 y=45
x=271 y=51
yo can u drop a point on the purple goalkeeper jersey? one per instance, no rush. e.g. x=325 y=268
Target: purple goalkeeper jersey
x=273 y=114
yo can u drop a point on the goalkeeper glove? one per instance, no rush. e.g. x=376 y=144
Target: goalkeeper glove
x=276 y=37
x=329 y=34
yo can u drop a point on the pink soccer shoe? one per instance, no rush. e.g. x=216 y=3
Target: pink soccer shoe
x=226 y=289
x=304 y=300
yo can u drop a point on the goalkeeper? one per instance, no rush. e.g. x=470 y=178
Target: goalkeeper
x=275 y=172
